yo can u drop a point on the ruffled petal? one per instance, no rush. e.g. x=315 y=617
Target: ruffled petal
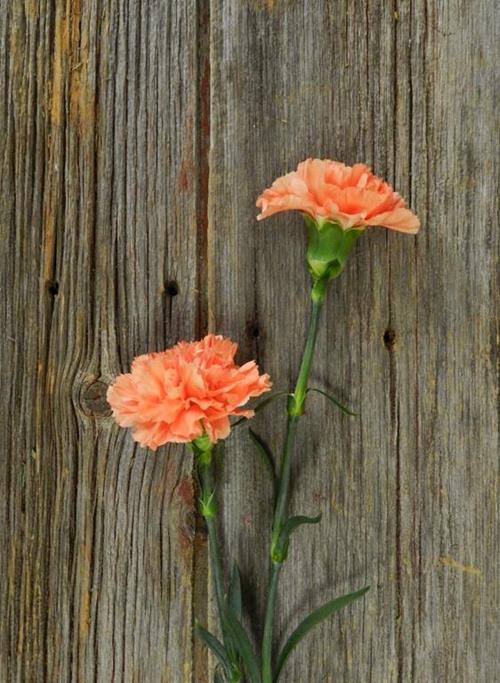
x=175 y=395
x=351 y=196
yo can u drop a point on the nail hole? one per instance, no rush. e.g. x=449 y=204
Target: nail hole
x=253 y=330
x=52 y=287
x=389 y=339
x=172 y=288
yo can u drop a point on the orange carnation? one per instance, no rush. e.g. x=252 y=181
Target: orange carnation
x=176 y=395
x=350 y=196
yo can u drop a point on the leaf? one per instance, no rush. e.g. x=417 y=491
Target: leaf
x=245 y=649
x=218 y=677
x=215 y=646
x=234 y=596
x=267 y=457
x=293 y=523
x=260 y=406
x=336 y=403
x=289 y=527
x=309 y=622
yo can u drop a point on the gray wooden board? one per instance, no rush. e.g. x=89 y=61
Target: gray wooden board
x=108 y=114
x=99 y=195
x=409 y=490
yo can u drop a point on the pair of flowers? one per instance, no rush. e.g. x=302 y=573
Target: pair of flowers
x=194 y=388
x=190 y=392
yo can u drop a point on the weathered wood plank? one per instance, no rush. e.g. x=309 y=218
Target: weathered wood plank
x=100 y=197
x=409 y=492
x=449 y=447
x=104 y=180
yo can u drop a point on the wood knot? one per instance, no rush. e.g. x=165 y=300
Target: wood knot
x=93 y=400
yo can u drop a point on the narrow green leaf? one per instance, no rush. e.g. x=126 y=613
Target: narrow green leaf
x=293 y=523
x=289 y=527
x=335 y=402
x=260 y=406
x=267 y=457
x=312 y=620
x=234 y=596
x=270 y=399
x=218 y=677
x=245 y=649
x=215 y=646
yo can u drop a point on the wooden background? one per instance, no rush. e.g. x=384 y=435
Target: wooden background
x=135 y=139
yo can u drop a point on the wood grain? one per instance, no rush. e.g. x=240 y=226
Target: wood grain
x=136 y=137
x=100 y=201
x=409 y=492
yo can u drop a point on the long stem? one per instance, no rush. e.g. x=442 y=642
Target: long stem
x=280 y=512
x=207 y=491
x=303 y=378
x=267 y=640
x=208 y=508
x=278 y=552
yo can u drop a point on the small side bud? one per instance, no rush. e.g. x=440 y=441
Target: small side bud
x=208 y=507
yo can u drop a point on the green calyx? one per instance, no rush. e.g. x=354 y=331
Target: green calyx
x=328 y=247
x=202 y=447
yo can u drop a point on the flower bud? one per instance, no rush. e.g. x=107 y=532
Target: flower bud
x=208 y=506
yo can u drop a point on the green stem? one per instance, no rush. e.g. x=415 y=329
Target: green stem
x=296 y=406
x=295 y=410
x=280 y=512
x=207 y=490
x=267 y=641
x=208 y=508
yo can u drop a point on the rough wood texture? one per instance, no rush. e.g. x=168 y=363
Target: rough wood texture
x=99 y=215
x=108 y=113
x=409 y=492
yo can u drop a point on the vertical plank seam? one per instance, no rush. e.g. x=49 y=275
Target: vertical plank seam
x=417 y=518
x=394 y=413
x=199 y=576
x=203 y=147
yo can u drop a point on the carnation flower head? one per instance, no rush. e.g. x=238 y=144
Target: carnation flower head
x=338 y=202
x=350 y=196
x=180 y=394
